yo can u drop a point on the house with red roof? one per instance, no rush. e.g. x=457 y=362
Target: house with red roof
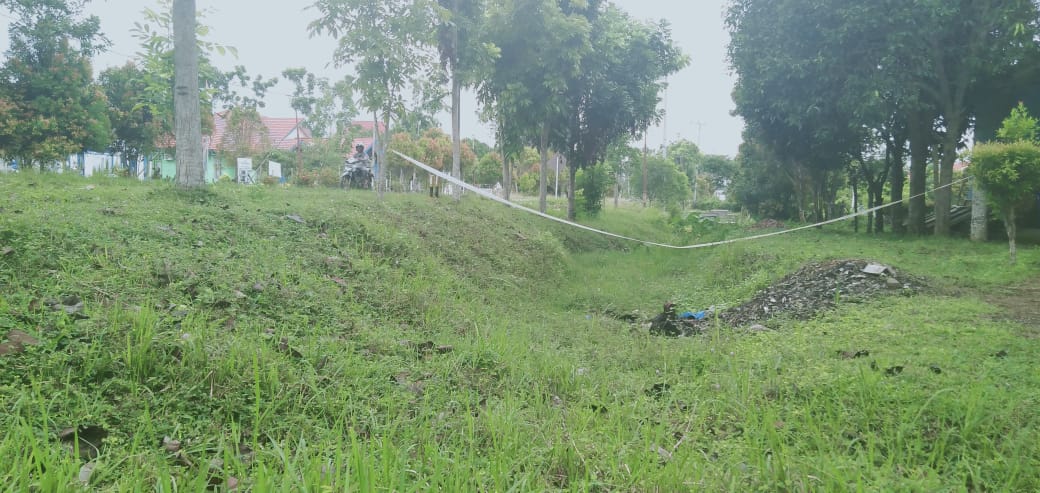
x=284 y=134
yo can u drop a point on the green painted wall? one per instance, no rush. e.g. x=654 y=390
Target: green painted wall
x=214 y=168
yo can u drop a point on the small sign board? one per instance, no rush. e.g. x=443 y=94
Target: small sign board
x=274 y=169
x=246 y=174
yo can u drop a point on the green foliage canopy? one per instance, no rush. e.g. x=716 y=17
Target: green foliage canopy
x=52 y=107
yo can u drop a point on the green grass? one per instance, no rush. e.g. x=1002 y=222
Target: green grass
x=425 y=345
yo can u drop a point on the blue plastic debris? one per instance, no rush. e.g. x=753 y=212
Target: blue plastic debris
x=694 y=316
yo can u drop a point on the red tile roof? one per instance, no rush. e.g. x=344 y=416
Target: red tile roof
x=280 y=133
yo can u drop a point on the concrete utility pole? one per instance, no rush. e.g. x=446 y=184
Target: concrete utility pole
x=557 y=184
x=299 y=146
x=700 y=127
x=664 y=121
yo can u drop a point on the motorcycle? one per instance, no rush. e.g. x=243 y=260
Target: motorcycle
x=357 y=173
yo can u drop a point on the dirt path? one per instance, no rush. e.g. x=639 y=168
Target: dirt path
x=1020 y=303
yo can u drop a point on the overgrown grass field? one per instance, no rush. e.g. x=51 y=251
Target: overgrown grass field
x=288 y=339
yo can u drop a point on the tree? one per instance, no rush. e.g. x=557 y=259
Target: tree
x=187 y=116
x=134 y=129
x=1019 y=127
x=464 y=54
x=796 y=76
x=542 y=44
x=967 y=41
x=666 y=184
x=1010 y=172
x=618 y=91
x=591 y=186
x=234 y=89
x=621 y=159
x=52 y=106
x=487 y=171
x=755 y=185
x=328 y=109
x=388 y=42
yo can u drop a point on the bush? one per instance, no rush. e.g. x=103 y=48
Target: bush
x=592 y=184
x=321 y=177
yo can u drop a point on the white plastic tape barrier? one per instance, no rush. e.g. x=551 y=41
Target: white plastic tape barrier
x=491 y=196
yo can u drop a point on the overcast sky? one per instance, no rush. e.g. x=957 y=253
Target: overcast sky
x=271 y=36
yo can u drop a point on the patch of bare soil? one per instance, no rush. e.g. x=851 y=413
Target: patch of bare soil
x=1020 y=303
x=801 y=295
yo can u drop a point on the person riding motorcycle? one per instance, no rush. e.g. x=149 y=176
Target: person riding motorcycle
x=357 y=172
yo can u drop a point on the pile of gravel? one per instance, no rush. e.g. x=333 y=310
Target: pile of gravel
x=805 y=293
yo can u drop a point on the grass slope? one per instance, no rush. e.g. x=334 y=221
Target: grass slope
x=416 y=345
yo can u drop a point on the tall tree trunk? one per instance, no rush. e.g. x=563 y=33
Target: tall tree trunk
x=543 y=150
x=855 y=207
x=979 y=214
x=1012 y=231
x=381 y=155
x=898 y=180
x=507 y=182
x=456 y=125
x=572 y=172
x=877 y=200
x=918 y=173
x=187 y=114
x=944 y=196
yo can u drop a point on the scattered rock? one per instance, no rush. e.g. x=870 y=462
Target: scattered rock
x=16 y=342
x=854 y=355
x=295 y=218
x=6 y=251
x=87 y=440
x=758 y=328
x=875 y=269
x=893 y=283
x=171 y=445
x=71 y=305
x=86 y=472
x=10 y=348
x=935 y=369
x=1001 y=354
x=283 y=347
x=893 y=371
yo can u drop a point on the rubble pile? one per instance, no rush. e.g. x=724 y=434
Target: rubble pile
x=810 y=290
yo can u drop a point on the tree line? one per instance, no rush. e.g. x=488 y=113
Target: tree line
x=840 y=93
x=561 y=76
